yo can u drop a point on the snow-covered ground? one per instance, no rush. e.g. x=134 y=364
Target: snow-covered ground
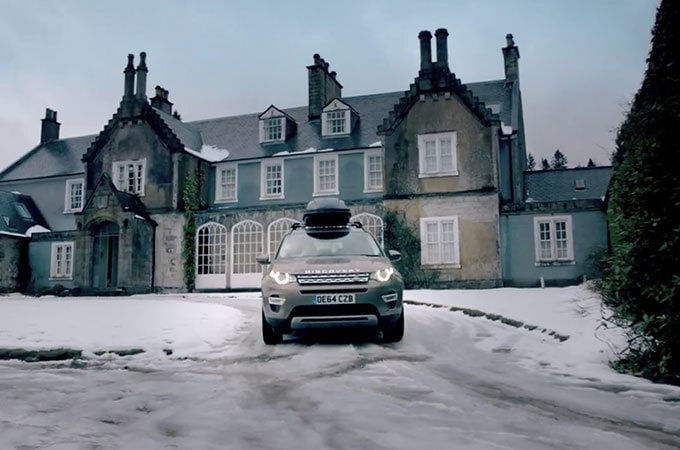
x=454 y=381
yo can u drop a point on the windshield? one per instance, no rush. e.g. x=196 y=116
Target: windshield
x=351 y=244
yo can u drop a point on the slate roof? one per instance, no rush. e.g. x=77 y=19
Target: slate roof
x=559 y=185
x=9 y=213
x=495 y=91
x=240 y=134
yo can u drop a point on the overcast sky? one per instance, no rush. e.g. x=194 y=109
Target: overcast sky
x=581 y=61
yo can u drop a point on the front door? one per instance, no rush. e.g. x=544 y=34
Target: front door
x=105 y=256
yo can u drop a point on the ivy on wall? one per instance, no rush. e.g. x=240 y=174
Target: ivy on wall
x=399 y=236
x=192 y=203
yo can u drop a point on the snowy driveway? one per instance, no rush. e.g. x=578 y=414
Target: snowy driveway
x=454 y=382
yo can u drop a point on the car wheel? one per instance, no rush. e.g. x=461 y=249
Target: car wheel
x=269 y=334
x=395 y=332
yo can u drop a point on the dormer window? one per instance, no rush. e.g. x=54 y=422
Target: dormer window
x=273 y=129
x=337 y=119
x=275 y=126
x=580 y=184
x=336 y=122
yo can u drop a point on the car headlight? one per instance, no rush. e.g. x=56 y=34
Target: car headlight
x=282 y=277
x=384 y=274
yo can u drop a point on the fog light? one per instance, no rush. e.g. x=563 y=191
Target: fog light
x=277 y=301
x=389 y=298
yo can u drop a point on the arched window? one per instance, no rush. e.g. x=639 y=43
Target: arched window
x=372 y=223
x=211 y=255
x=275 y=233
x=246 y=246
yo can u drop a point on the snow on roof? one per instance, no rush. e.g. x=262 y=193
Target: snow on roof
x=506 y=129
x=209 y=153
x=376 y=144
x=36 y=229
x=309 y=150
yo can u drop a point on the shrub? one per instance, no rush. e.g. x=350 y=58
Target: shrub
x=399 y=236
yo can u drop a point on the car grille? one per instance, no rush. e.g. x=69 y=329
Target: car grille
x=333 y=278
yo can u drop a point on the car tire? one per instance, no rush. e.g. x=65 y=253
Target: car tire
x=394 y=333
x=269 y=334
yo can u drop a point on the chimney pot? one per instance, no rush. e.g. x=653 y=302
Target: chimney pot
x=442 y=48
x=129 y=72
x=317 y=58
x=49 y=130
x=334 y=74
x=509 y=40
x=160 y=101
x=141 y=76
x=425 y=50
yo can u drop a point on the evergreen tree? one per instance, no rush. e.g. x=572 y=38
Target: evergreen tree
x=531 y=162
x=591 y=163
x=545 y=165
x=559 y=161
x=642 y=281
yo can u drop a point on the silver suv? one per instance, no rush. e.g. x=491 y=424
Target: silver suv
x=329 y=273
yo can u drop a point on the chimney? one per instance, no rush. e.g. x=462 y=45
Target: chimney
x=129 y=77
x=160 y=100
x=323 y=86
x=141 y=77
x=50 y=127
x=511 y=59
x=425 y=51
x=442 y=50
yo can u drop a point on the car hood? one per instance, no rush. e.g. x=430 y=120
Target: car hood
x=325 y=264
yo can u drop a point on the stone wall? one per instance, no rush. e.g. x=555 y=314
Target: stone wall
x=169 y=244
x=480 y=264
x=13 y=267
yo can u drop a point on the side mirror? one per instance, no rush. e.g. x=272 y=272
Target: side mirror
x=264 y=260
x=394 y=255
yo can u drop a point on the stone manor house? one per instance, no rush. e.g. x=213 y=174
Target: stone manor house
x=106 y=211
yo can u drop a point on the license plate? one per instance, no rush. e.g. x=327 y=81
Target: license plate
x=334 y=299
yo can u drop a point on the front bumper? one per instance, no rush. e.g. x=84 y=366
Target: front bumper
x=299 y=312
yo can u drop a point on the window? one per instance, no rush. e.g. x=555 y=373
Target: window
x=336 y=122
x=61 y=265
x=271 y=176
x=439 y=242
x=211 y=249
x=73 y=201
x=326 y=175
x=579 y=184
x=22 y=211
x=437 y=154
x=276 y=230
x=273 y=129
x=128 y=176
x=373 y=171
x=553 y=238
x=371 y=223
x=226 y=186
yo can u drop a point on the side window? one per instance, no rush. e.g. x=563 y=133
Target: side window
x=226 y=186
x=373 y=171
x=74 y=195
x=439 y=241
x=326 y=175
x=553 y=240
x=61 y=262
x=130 y=176
x=437 y=155
x=271 y=176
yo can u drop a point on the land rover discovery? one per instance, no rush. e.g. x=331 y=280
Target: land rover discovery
x=330 y=273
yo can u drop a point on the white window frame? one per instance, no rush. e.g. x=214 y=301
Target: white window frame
x=437 y=137
x=425 y=260
x=326 y=129
x=276 y=228
x=69 y=192
x=551 y=220
x=368 y=154
x=218 y=183
x=264 y=129
x=373 y=224
x=317 y=160
x=135 y=162
x=55 y=272
x=264 y=164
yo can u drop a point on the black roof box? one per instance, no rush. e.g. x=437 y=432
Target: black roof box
x=326 y=212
